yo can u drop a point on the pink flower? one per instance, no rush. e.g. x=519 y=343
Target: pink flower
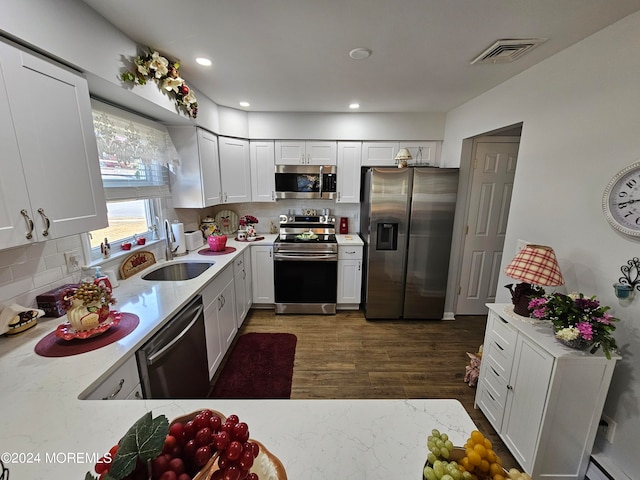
x=606 y=318
x=585 y=329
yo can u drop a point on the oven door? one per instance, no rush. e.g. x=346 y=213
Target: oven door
x=306 y=283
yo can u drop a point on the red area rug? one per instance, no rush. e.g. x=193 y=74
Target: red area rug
x=259 y=366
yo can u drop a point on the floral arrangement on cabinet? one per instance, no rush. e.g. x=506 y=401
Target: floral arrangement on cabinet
x=578 y=321
x=247 y=223
x=166 y=74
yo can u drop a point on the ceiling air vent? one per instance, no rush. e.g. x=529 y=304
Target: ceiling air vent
x=504 y=51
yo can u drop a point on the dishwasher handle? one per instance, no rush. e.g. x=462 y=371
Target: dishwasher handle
x=167 y=348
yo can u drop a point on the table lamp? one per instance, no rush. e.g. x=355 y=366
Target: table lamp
x=402 y=156
x=534 y=264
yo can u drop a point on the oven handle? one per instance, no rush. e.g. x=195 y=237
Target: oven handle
x=159 y=354
x=321 y=180
x=327 y=257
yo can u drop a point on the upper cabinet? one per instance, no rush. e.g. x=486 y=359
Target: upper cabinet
x=348 y=187
x=50 y=185
x=235 y=170
x=263 y=185
x=383 y=154
x=307 y=152
x=196 y=184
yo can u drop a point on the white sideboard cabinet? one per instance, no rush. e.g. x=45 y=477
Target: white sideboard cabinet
x=544 y=399
x=50 y=185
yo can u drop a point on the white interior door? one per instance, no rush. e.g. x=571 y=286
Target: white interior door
x=494 y=165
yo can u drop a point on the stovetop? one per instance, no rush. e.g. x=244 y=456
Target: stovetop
x=307 y=229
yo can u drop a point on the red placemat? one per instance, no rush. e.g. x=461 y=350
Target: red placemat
x=52 y=346
x=207 y=251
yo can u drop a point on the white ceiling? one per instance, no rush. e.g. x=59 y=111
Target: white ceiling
x=293 y=55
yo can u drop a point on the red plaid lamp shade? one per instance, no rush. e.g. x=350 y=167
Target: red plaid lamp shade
x=536 y=264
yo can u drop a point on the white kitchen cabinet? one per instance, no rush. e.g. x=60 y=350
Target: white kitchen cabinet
x=220 y=327
x=423 y=153
x=235 y=170
x=242 y=282
x=123 y=384
x=545 y=400
x=348 y=167
x=383 y=154
x=262 y=274
x=305 y=152
x=349 y=276
x=263 y=178
x=196 y=183
x=50 y=185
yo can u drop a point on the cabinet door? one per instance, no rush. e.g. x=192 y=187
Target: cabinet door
x=209 y=168
x=349 y=281
x=320 y=153
x=349 y=154
x=379 y=154
x=423 y=153
x=248 y=279
x=290 y=152
x=262 y=273
x=235 y=170
x=526 y=401
x=14 y=198
x=54 y=129
x=227 y=316
x=240 y=289
x=263 y=178
x=212 y=329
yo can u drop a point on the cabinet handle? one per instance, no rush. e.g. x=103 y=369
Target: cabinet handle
x=348 y=252
x=308 y=158
x=491 y=396
x=494 y=371
x=223 y=300
x=273 y=195
x=359 y=266
x=509 y=387
x=47 y=223
x=302 y=159
x=116 y=392
x=244 y=274
x=25 y=214
x=138 y=395
x=499 y=346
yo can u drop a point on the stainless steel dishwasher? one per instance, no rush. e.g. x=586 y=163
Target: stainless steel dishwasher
x=173 y=364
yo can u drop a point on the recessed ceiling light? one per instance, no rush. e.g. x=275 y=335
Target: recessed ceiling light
x=245 y=104
x=360 y=53
x=353 y=106
x=205 y=62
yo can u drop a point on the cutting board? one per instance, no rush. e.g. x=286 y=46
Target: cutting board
x=136 y=262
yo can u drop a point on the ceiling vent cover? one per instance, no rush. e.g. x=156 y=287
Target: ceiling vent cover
x=504 y=51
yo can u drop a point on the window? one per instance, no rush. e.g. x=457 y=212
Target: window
x=135 y=157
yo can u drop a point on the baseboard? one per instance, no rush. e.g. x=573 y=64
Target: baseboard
x=448 y=316
x=602 y=468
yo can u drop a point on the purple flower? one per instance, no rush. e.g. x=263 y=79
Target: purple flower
x=537 y=302
x=539 y=312
x=585 y=329
x=586 y=303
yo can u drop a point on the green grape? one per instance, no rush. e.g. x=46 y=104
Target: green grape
x=444 y=437
x=436 y=451
x=446 y=477
x=429 y=474
x=456 y=474
x=431 y=458
x=438 y=469
x=449 y=445
x=466 y=475
x=444 y=453
x=435 y=432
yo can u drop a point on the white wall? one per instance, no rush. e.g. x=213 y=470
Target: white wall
x=581 y=124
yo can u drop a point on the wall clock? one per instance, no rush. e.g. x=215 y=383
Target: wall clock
x=621 y=200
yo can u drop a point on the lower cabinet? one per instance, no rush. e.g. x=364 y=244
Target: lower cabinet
x=262 y=274
x=219 y=317
x=242 y=283
x=123 y=384
x=349 y=276
x=545 y=400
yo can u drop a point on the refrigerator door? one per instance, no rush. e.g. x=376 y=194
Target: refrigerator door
x=430 y=232
x=387 y=201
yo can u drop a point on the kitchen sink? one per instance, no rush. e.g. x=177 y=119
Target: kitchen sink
x=178 y=271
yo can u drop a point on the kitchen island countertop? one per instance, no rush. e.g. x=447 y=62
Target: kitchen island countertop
x=47 y=432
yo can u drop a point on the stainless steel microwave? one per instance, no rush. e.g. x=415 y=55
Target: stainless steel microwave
x=305 y=181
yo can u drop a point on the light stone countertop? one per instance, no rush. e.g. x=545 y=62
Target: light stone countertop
x=46 y=432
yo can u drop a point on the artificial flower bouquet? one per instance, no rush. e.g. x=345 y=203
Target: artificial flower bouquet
x=247 y=220
x=578 y=321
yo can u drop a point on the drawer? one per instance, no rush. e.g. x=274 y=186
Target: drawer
x=349 y=252
x=496 y=380
x=120 y=384
x=238 y=265
x=502 y=334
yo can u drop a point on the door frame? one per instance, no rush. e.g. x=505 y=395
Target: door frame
x=465 y=184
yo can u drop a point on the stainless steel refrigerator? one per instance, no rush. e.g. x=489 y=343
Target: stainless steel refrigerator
x=406 y=223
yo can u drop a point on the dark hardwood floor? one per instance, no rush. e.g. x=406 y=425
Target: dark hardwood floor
x=346 y=356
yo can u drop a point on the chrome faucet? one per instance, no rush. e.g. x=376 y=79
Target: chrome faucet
x=169 y=238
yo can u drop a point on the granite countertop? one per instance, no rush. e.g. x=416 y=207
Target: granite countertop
x=47 y=432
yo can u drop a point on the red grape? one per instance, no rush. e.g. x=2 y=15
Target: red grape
x=170 y=443
x=159 y=465
x=201 y=421
x=233 y=419
x=190 y=449
x=241 y=432
x=215 y=422
x=203 y=437
x=206 y=413
x=190 y=430
x=221 y=440
x=184 y=476
x=246 y=460
x=253 y=476
x=231 y=473
x=234 y=450
x=177 y=465
x=169 y=475
x=177 y=430
x=202 y=456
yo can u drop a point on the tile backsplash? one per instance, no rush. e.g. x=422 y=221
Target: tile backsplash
x=26 y=272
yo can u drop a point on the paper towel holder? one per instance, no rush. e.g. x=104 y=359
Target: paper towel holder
x=180 y=241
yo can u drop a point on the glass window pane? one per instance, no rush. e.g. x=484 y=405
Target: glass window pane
x=125 y=220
